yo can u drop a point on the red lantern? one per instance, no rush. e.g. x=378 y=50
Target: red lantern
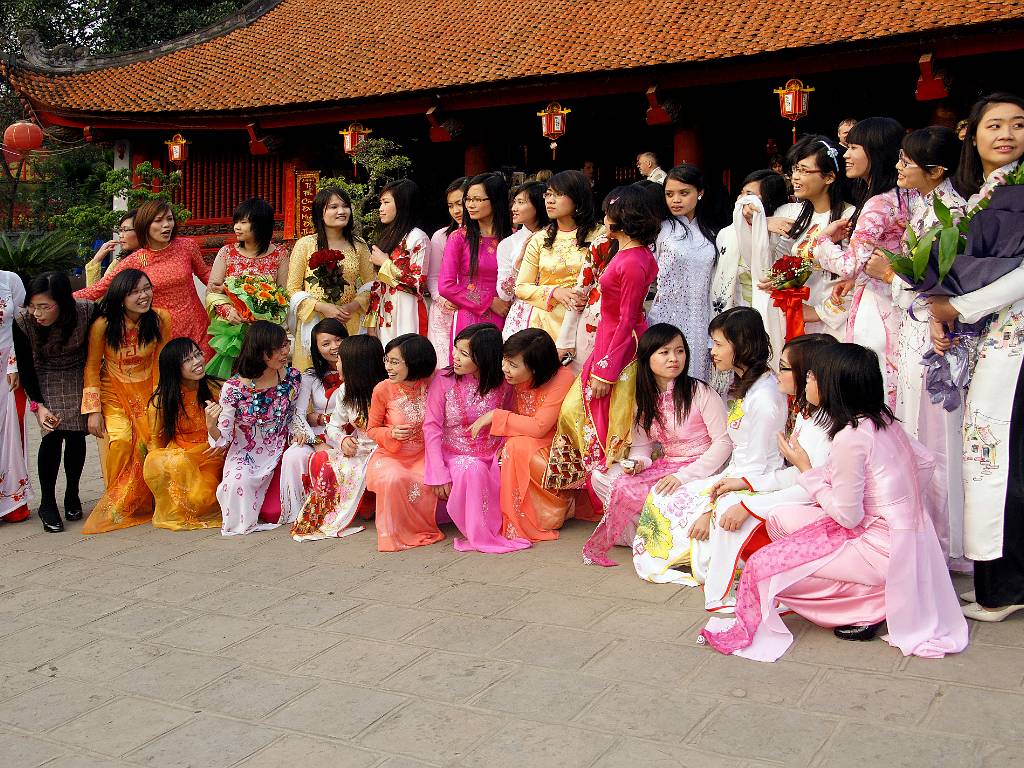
x=177 y=149
x=553 y=123
x=794 y=98
x=354 y=135
x=20 y=139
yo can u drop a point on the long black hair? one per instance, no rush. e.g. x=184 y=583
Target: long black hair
x=577 y=187
x=333 y=326
x=744 y=329
x=455 y=184
x=802 y=351
x=692 y=175
x=262 y=339
x=57 y=286
x=880 y=137
x=260 y=215
x=534 y=190
x=406 y=194
x=485 y=349
x=647 y=391
x=850 y=388
x=320 y=202
x=774 y=194
x=538 y=352
x=829 y=159
x=112 y=309
x=501 y=226
x=362 y=368
x=167 y=398
x=970 y=173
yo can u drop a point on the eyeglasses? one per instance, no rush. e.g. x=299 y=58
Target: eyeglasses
x=393 y=361
x=122 y=230
x=197 y=355
x=785 y=368
x=906 y=163
x=552 y=195
x=40 y=307
x=476 y=200
x=798 y=171
x=141 y=291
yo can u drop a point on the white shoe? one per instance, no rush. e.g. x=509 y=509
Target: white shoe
x=969 y=596
x=976 y=612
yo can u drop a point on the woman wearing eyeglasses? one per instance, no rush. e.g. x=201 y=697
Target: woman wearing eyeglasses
x=879 y=221
x=123 y=243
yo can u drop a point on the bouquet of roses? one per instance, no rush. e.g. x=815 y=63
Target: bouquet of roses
x=327 y=274
x=787 y=278
x=254 y=298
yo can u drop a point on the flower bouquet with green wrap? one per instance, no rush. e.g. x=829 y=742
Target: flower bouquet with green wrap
x=253 y=298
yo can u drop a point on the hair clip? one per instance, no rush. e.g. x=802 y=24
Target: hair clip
x=831 y=152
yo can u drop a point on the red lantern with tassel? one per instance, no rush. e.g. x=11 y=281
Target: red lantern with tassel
x=177 y=149
x=20 y=139
x=354 y=135
x=794 y=99
x=553 y=123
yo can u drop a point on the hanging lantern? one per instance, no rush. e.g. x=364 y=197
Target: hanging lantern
x=553 y=124
x=20 y=139
x=354 y=135
x=794 y=98
x=177 y=149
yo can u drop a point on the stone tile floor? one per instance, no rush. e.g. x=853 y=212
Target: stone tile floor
x=151 y=648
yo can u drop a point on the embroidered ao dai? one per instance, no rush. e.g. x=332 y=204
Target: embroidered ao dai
x=871 y=556
x=579 y=327
x=405 y=507
x=118 y=384
x=357 y=270
x=170 y=270
x=454 y=456
x=530 y=511
x=686 y=261
x=993 y=437
x=662 y=537
x=690 y=449
x=470 y=294
x=337 y=481
x=254 y=425
x=179 y=473
x=316 y=398
x=595 y=433
x=510 y=259
x=14 y=482
x=874 y=322
x=937 y=429
x=441 y=312
x=397 y=303
x=545 y=268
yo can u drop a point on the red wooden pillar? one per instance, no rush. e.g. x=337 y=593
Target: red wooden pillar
x=685 y=146
x=476 y=159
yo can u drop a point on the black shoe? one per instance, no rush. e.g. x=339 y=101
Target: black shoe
x=857 y=632
x=72 y=514
x=72 y=508
x=51 y=519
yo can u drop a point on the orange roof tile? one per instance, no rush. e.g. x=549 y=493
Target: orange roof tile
x=303 y=52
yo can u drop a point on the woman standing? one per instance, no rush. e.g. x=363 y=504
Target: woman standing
x=181 y=468
x=314 y=406
x=880 y=221
x=14 y=482
x=121 y=373
x=252 y=420
x=402 y=255
x=170 y=261
x=926 y=162
x=530 y=215
x=442 y=311
x=332 y=220
x=552 y=260
x=686 y=258
x=123 y=243
x=993 y=421
x=596 y=420
x=469 y=272
x=872 y=556
x=405 y=507
x=57 y=328
x=338 y=473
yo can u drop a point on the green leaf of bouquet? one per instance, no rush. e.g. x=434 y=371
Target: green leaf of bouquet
x=948 y=242
x=942 y=212
x=923 y=253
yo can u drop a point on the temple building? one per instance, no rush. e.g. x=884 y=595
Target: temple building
x=262 y=97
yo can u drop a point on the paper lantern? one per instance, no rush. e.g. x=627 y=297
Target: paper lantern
x=553 y=123
x=794 y=99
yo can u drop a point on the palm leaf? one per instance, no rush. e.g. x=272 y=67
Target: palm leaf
x=31 y=254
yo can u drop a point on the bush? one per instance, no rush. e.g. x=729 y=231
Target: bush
x=33 y=253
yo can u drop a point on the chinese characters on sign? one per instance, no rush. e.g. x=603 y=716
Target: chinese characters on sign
x=305 y=191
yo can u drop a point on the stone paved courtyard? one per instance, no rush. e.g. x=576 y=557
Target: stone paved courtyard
x=151 y=648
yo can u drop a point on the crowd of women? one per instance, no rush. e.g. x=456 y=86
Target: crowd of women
x=532 y=362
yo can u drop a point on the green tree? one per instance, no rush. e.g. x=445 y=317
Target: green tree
x=383 y=161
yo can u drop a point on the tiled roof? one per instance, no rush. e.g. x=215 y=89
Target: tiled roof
x=316 y=51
